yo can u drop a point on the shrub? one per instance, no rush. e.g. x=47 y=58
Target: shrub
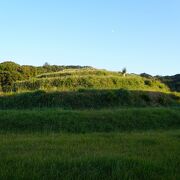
x=146 y=98
x=148 y=82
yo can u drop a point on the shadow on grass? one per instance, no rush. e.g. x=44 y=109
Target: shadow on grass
x=88 y=99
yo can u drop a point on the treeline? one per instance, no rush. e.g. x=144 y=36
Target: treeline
x=11 y=72
x=173 y=82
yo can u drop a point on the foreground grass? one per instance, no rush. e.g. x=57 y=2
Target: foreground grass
x=129 y=143
x=145 y=155
x=85 y=121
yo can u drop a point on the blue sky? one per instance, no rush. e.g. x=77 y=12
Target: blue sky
x=142 y=35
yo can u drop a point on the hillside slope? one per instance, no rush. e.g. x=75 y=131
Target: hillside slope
x=17 y=78
x=88 y=79
x=11 y=72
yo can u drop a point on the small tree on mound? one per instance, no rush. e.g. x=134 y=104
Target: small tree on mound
x=46 y=64
x=124 y=72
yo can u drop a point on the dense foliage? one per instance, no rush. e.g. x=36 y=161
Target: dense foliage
x=88 y=99
x=89 y=82
x=14 y=77
x=88 y=79
x=173 y=82
x=11 y=72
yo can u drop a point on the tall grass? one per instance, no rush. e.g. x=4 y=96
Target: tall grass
x=88 y=99
x=54 y=120
x=79 y=72
x=88 y=79
x=137 y=156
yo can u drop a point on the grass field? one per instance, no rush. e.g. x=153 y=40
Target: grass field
x=128 y=143
x=86 y=121
x=144 y=155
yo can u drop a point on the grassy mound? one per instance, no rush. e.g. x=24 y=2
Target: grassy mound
x=88 y=79
x=79 y=72
x=88 y=99
x=54 y=120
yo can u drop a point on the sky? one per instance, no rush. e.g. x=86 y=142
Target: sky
x=141 y=35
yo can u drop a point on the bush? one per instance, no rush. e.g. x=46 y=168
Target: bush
x=18 y=73
x=148 y=82
x=146 y=98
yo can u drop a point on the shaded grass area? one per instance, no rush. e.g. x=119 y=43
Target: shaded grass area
x=88 y=99
x=74 y=121
x=145 y=155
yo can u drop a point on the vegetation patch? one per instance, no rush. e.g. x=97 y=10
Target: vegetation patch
x=89 y=156
x=88 y=99
x=117 y=120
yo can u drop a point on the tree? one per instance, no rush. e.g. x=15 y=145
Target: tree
x=9 y=66
x=6 y=80
x=124 y=71
x=46 y=64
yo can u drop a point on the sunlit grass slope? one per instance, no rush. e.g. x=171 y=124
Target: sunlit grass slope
x=88 y=79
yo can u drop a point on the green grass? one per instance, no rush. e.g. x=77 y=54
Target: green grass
x=69 y=80
x=128 y=143
x=88 y=99
x=137 y=156
x=79 y=72
x=86 y=121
